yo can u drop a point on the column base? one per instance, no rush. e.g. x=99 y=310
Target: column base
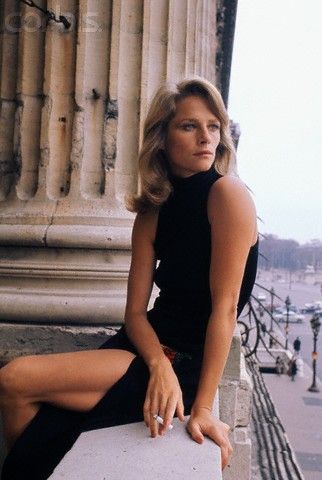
x=63 y=286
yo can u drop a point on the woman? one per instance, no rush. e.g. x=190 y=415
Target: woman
x=198 y=220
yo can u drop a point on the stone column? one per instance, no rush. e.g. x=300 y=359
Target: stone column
x=73 y=102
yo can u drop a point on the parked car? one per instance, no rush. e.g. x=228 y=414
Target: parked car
x=294 y=308
x=293 y=317
x=308 y=308
x=312 y=307
x=278 y=310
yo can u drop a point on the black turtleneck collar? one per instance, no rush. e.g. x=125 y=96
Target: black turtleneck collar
x=193 y=180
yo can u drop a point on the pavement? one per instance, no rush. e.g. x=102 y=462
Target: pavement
x=300 y=412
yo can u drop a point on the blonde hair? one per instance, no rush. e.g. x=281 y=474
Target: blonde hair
x=155 y=186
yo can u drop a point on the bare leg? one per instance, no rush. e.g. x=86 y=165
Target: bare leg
x=15 y=419
x=74 y=381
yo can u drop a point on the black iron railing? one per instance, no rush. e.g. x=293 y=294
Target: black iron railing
x=253 y=327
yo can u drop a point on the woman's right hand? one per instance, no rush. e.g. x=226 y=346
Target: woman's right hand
x=163 y=397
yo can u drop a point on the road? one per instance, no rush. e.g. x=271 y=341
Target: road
x=299 y=294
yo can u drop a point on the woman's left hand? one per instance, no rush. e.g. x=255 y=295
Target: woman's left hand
x=202 y=422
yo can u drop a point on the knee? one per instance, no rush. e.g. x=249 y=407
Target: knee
x=13 y=376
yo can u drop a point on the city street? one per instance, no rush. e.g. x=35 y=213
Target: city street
x=299 y=409
x=299 y=294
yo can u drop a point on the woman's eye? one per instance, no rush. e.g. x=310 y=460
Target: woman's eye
x=188 y=126
x=214 y=126
x=191 y=126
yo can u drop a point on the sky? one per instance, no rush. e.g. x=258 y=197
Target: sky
x=276 y=97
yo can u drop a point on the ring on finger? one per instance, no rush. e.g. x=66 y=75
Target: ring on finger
x=158 y=419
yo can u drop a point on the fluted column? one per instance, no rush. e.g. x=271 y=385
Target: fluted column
x=29 y=92
x=73 y=101
x=8 y=63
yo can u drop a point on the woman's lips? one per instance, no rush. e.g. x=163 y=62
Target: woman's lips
x=205 y=152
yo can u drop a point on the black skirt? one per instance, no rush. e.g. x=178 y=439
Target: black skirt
x=54 y=430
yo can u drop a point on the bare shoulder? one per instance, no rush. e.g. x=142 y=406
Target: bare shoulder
x=230 y=203
x=229 y=192
x=229 y=187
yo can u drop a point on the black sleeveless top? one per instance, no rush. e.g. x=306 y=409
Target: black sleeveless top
x=183 y=248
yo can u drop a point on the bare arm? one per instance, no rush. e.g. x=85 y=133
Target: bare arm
x=164 y=395
x=139 y=289
x=233 y=230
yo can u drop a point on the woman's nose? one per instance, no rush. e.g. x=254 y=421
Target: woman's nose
x=204 y=136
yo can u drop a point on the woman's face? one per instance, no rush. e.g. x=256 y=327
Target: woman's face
x=192 y=138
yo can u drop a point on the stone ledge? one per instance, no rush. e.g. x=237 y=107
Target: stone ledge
x=239 y=468
x=244 y=397
x=235 y=391
x=232 y=369
x=27 y=339
x=127 y=451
